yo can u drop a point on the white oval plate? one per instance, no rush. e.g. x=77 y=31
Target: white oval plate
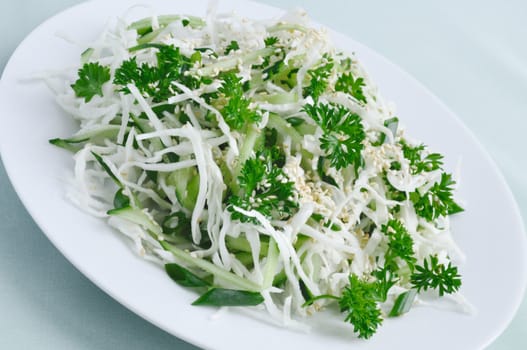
x=490 y=232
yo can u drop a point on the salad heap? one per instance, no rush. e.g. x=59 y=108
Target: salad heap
x=259 y=165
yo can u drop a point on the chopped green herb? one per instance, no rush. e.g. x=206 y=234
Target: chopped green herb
x=437 y=201
x=400 y=245
x=430 y=162
x=92 y=77
x=264 y=188
x=237 y=111
x=157 y=81
x=318 y=82
x=359 y=302
x=233 y=46
x=346 y=83
x=434 y=275
x=343 y=133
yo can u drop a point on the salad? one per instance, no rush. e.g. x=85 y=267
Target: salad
x=259 y=165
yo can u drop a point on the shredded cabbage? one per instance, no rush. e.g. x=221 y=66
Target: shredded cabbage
x=184 y=153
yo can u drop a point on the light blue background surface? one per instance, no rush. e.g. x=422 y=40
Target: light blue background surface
x=472 y=54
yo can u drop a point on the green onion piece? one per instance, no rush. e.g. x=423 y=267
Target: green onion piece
x=403 y=303
x=229 y=297
x=184 y=277
x=107 y=169
x=120 y=200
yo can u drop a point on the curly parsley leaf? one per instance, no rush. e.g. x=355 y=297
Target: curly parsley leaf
x=264 y=188
x=400 y=245
x=436 y=276
x=343 y=133
x=318 y=81
x=346 y=83
x=418 y=164
x=233 y=46
x=437 y=201
x=92 y=76
x=270 y=41
x=157 y=81
x=237 y=111
x=386 y=279
x=359 y=301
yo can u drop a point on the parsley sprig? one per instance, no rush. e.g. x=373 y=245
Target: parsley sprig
x=92 y=76
x=233 y=46
x=359 y=301
x=156 y=81
x=270 y=41
x=400 y=248
x=437 y=201
x=264 y=187
x=343 y=133
x=436 y=276
x=418 y=163
x=400 y=245
x=318 y=82
x=237 y=111
x=346 y=83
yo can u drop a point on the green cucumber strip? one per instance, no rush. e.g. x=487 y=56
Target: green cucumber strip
x=245 y=258
x=146 y=46
x=295 y=121
x=300 y=240
x=141 y=124
x=246 y=150
x=269 y=272
x=184 y=277
x=137 y=216
x=306 y=293
x=306 y=129
x=286 y=27
x=120 y=200
x=280 y=279
x=310 y=302
x=94 y=136
x=176 y=223
x=106 y=168
x=192 y=192
x=150 y=36
x=73 y=147
x=229 y=297
x=186 y=182
x=226 y=276
x=86 y=55
x=278 y=99
x=144 y=127
x=392 y=124
x=228 y=64
x=284 y=128
x=323 y=176
x=248 y=145
x=403 y=303
x=144 y=25
x=241 y=244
